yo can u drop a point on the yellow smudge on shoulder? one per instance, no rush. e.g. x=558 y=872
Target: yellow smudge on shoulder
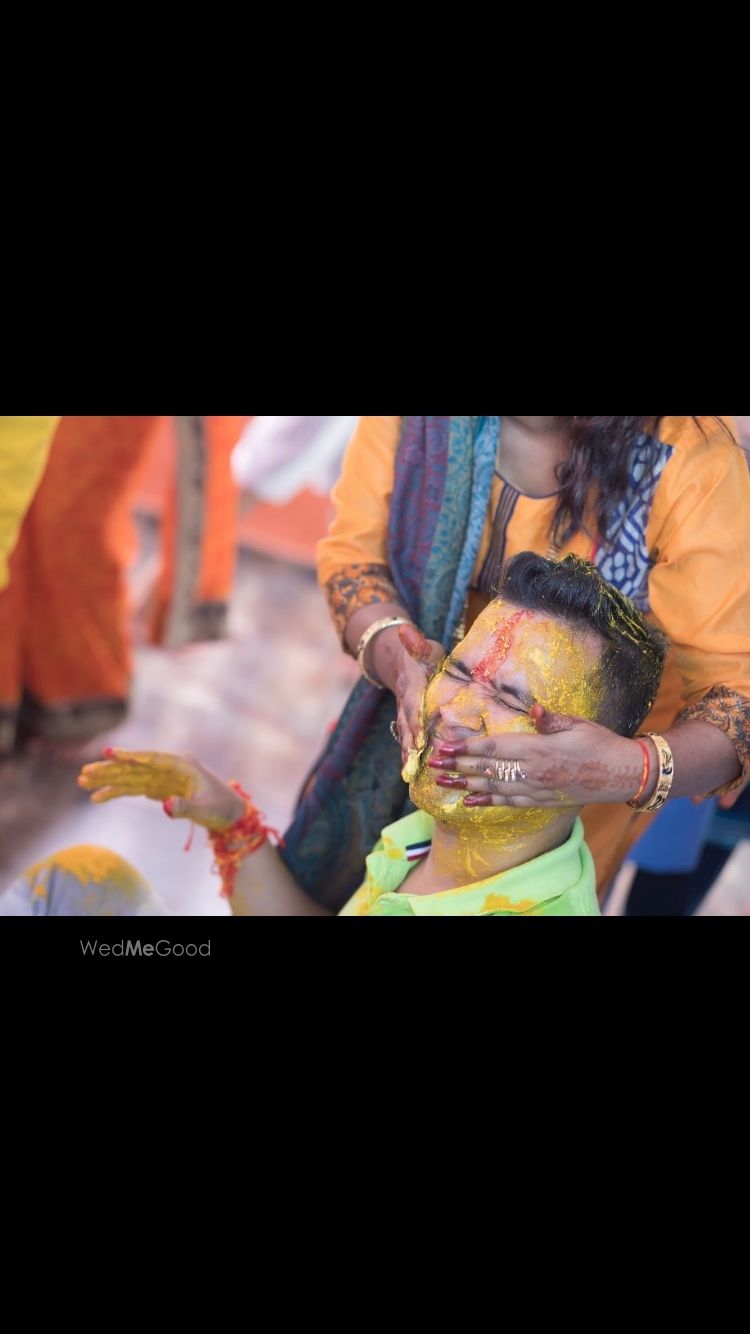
x=389 y=849
x=501 y=903
x=360 y=902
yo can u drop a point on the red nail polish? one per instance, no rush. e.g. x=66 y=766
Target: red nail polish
x=108 y=753
x=477 y=801
x=442 y=781
x=439 y=764
x=449 y=750
x=167 y=806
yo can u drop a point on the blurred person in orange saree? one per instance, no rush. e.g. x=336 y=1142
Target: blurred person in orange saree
x=65 y=641
x=65 y=655
x=190 y=598
x=24 y=450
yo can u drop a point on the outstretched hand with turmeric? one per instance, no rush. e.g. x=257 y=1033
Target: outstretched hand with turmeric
x=184 y=786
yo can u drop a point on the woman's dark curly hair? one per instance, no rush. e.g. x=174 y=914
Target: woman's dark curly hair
x=598 y=467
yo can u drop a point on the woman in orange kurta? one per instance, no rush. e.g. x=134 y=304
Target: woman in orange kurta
x=675 y=537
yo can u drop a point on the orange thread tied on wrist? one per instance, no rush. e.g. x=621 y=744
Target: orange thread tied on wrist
x=231 y=846
x=646 y=770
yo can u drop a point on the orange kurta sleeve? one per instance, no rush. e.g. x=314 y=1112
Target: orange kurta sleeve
x=353 y=558
x=699 y=586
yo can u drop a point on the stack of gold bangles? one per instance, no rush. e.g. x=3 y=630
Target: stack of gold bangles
x=665 y=779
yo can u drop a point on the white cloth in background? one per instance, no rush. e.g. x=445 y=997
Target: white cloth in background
x=277 y=457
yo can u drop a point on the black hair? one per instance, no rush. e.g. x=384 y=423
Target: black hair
x=574 y=591
x=597 y=468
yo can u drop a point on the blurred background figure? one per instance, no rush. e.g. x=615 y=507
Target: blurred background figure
x=284 y=469
x=24 y=449
x=278 y=457
x=187 y=601
x=69 y=489
x=64 y=649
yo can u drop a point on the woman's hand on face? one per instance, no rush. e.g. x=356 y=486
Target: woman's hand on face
x=184 y=786
x=419 y=659
x=568 y=762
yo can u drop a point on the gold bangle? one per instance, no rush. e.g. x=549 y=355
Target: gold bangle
x=372 y=630
x=665 y=779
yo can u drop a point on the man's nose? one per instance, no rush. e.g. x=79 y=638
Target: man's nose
x=462 y=718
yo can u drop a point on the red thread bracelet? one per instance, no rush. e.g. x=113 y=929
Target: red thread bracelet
x=231 y=846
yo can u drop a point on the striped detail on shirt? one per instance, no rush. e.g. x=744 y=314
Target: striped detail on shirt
x=415 y=852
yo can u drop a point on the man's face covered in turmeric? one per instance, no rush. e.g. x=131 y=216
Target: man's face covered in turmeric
x=510 y=660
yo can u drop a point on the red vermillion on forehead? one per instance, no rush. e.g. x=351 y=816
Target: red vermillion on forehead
x=488 y=668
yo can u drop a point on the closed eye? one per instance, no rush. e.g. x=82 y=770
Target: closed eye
x=514 y=708
x=521 y=698
x=457 y=670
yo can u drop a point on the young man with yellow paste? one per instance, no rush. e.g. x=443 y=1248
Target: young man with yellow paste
x=558 y=650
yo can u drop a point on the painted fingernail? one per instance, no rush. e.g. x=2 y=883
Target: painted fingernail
x=168 y=806
x=449 y=750
x=440 y=764
x=477 y=801
x=109 y=753
x=442 y=781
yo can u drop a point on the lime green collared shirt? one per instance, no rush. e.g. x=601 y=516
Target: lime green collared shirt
x=561 y=883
